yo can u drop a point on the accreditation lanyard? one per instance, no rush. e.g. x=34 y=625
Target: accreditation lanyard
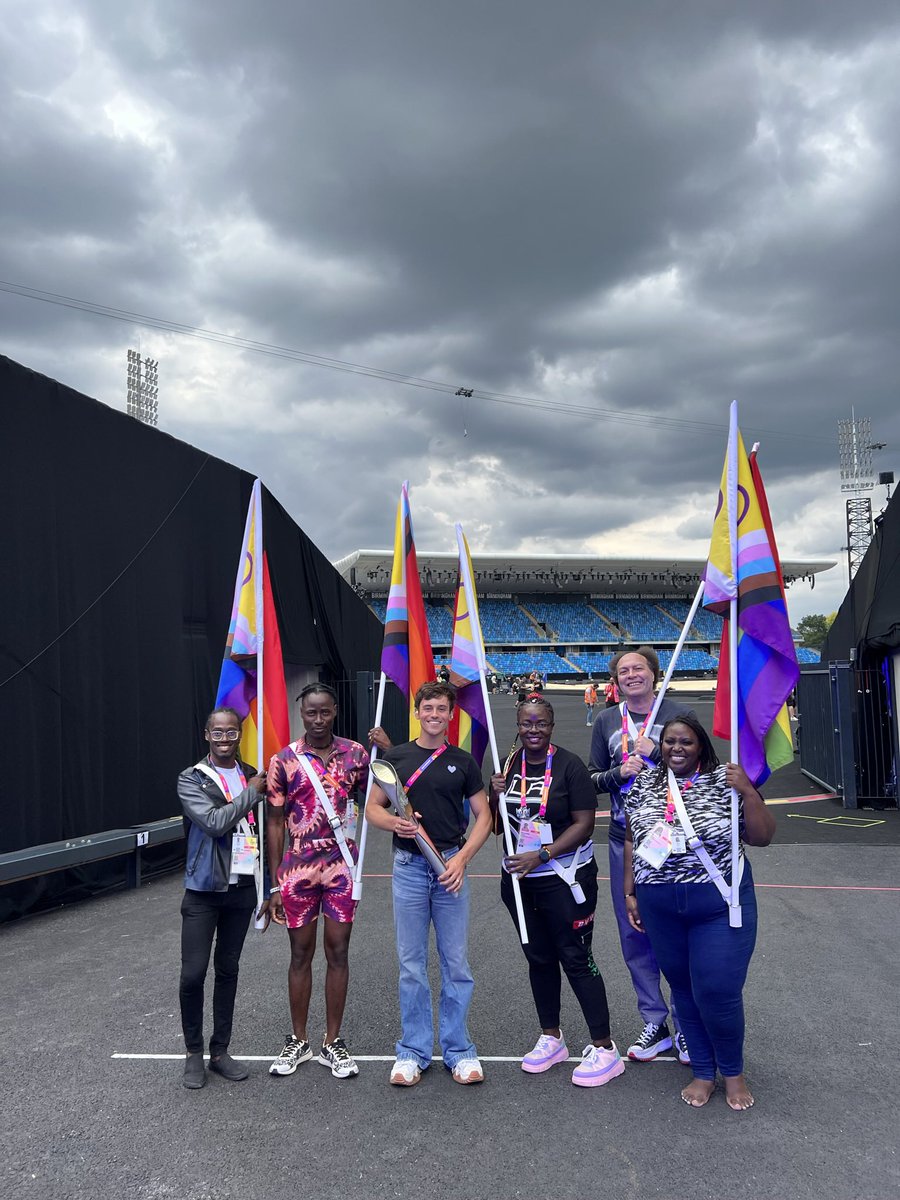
x=670 y=799
x=323 y=772
x=627 y=726
x=545 y=786
x=426 y=764
x=223 y=779
x=227 y=790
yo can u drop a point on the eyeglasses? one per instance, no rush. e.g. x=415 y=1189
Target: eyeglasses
x=542 y=726
x=224 y=735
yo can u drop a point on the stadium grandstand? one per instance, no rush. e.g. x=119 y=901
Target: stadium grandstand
x=567 y=615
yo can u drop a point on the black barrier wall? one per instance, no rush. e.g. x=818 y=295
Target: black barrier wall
x=121 y=545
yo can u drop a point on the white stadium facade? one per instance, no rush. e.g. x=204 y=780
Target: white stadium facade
x=565 y=615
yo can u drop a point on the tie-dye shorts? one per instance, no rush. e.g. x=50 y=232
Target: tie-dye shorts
x=315 y=877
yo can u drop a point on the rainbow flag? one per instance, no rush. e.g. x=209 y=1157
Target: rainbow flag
x=406 y=655
x=767 y=669
x=254 y=624
x=469 y=727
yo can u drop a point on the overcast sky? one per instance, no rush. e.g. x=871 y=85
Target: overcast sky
x=638 y=210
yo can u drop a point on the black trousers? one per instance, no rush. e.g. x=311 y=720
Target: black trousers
x=560 y=933
x=224 y=916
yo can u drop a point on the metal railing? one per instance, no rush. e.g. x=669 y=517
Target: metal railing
x=845 y=733
x=128 y=843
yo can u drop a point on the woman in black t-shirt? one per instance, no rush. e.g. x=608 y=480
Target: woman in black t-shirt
x=551 y=804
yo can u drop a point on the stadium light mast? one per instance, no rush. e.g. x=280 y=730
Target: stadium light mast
x=143 y=388
x=857 y=476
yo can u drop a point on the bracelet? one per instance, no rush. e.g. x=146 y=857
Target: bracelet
x=272 y=890
x=630 y=895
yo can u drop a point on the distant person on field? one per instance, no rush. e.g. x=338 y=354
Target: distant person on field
x=590 y=700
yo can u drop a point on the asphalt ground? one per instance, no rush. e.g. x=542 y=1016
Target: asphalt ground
x=84 y=987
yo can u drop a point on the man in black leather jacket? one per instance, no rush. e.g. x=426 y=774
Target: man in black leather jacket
x=217 y=796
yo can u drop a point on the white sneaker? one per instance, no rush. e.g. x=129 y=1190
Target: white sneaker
x=293 y=1053
x=468 y=1070
x=405 y=1072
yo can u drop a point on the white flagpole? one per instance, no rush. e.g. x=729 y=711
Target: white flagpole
x=364 y=832
x=671 y=667
x=260 y=704
x=469 y=589
x=734 y=908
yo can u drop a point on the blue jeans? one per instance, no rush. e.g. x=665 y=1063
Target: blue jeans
x=705 y=962
x=420 y=900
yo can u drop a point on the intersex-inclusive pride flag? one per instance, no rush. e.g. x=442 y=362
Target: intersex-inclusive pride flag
x=767 y=669
x=469 y=727
x=253 y=632
x=406 y=656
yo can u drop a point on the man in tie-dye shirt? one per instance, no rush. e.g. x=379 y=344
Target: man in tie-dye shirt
x=312 y=873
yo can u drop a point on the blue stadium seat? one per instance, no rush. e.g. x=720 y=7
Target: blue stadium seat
x=708 y=625
x=503 y=622
x=521 y=662
x=639 y=620
x=573 y=620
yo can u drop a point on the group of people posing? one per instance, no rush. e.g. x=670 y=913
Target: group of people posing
x=669 y=845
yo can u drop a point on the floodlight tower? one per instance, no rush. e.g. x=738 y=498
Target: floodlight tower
x=857 y=476
x=143 y=388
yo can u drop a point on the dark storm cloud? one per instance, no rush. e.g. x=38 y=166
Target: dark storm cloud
x=651 y=209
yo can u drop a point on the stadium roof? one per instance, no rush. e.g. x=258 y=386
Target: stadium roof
x=369 y=571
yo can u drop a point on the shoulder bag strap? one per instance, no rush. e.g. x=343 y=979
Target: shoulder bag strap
x=696 y=844
x=334 y=820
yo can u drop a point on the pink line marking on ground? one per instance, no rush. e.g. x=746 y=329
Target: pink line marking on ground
x=800 y=887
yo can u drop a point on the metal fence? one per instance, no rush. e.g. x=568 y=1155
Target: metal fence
x=845 y=733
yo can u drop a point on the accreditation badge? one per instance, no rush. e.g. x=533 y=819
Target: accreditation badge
x=244 y=852
x=656 y=846
x=679 y=844
x=529 y=836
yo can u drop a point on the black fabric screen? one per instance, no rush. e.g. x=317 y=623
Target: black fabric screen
x=869 y=618
x=121 y=545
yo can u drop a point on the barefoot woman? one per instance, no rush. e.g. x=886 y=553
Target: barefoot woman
x=671 y=897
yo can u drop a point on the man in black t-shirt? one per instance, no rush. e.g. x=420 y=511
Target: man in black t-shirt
x=439 y=779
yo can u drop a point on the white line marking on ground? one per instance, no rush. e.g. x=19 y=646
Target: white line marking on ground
x=387 y=1058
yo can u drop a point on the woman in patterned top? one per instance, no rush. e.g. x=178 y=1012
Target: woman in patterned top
x=670 y=897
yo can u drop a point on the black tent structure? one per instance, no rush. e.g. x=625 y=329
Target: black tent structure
x=850 y=731
x=120 y=550
x=868 y=621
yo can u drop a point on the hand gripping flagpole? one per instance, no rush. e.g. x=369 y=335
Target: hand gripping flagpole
x=364 y=831
x=734 y=907
x=475 y=621
x=260 y=690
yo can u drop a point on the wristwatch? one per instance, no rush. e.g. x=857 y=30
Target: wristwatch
x=544 y=854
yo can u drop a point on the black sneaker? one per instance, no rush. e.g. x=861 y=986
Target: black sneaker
x=293 y=1053
x=652 y=1041
x=194 y=1072
x=336 y=1056
x=228 y=1068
